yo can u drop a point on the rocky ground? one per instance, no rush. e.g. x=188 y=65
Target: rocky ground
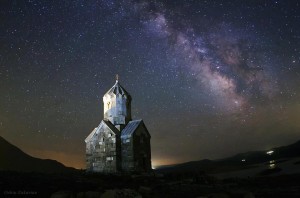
x=185 y=184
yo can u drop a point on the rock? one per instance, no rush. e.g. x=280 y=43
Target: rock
x=89 y=194
x=121 y=193
x=218 y=195
x=248 y=195
x=62 y=194
x=145 y=190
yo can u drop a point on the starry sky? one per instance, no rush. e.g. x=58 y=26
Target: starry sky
x=210 y=78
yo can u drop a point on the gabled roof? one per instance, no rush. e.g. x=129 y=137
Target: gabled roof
x=111 y=126
x=131 y=127
x=118 y=89
x=102 y=124
x=91 y=134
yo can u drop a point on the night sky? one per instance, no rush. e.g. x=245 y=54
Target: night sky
x=209 y=78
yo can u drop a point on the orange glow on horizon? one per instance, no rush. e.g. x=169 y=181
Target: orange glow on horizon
x=70 y=160
x=78 y=161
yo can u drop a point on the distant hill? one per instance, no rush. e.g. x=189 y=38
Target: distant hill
x=13 y=159
x=237 y=162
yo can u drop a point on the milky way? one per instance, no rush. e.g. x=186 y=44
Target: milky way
x=209 y=78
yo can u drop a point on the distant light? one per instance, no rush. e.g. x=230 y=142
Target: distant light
x=153 y=167
x=272 y=162
x=270 y=152
x=272 y=165
x=243 y=160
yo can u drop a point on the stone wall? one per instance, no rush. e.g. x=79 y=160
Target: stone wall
x=103 y=152
x=136 y=151
x=142 y=151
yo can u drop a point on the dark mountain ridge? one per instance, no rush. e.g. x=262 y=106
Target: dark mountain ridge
x=237 y=162
x=14 y=159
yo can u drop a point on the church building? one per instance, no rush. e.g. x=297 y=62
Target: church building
x=118 y=144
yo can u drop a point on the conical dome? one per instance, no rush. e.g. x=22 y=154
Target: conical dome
x=117 y=89
x=117 y=105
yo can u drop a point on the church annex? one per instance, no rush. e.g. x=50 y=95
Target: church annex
x=118 y=144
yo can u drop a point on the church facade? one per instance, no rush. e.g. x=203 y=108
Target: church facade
x=118 y=144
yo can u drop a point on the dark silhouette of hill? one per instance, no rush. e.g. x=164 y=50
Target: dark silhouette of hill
x=191 y=182
x=236 y=162
x=14 y=159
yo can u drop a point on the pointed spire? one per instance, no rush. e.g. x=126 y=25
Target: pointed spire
x=117 y=89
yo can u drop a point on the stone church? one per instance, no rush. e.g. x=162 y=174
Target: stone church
x=118 y=144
